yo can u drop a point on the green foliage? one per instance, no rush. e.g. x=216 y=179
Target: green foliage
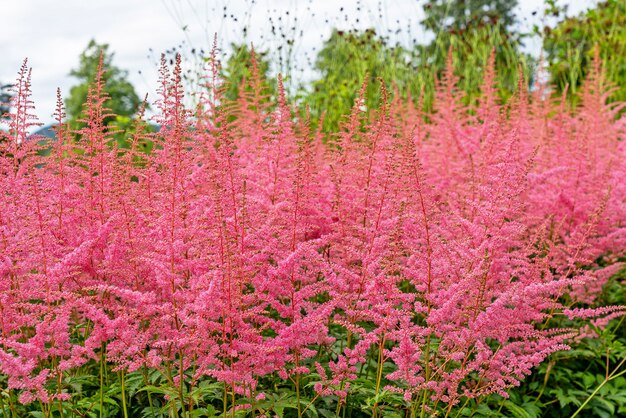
x=347 y=58
x=570 y=47
x=343 y=64
x=350 y=58
x=462 y=15
x=239 y=68
x=123 y=100
x=5 y=98
x=123 y=104
x=472 y=29
x=470 y=52
x=560 y=386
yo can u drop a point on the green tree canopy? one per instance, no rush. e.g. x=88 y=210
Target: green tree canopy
x=462 y=15
x=343 y=63
x=570 y=47
x=347 y=57
x=472 y=28
x=471 y=50
x=123 y=100
x=239 y=67
x=5 y=99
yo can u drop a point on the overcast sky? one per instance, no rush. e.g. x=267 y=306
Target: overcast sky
x=53 y=33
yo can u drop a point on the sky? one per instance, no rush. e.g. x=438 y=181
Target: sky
x=53 y=33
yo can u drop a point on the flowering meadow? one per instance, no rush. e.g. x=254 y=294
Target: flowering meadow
x=248 y=265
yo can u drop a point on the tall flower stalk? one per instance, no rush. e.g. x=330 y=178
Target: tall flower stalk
x=429 y=252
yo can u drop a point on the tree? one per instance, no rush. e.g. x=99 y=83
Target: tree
x=344 y=61
x=347 y=57
x=462 y=15
x=239 y=67
x=571 y=45
x=472 y=29
x=471 y=51
x=5 y=99
x=123 y=100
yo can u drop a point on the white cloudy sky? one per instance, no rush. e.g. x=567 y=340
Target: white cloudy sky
x=52 y=33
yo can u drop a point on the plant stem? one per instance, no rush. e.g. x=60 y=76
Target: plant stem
x=225 y=400
x=297 y=382
x=233 y=401
x=460 y=409
x=310 y=403
x=348 y=344
x=427 y=365
x=545 y=381
x=379 y=373
x=145 y=382
x=124 y=409
x=43 y=410
x=4 y=412
x=181 y=385
x=102 y=381
x=610 y=377
x=12 y=406
x=298 y=395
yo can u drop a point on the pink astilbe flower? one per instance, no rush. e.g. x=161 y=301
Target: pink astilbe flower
x=243 y=246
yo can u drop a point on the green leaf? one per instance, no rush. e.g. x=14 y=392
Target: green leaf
x=326 y=413
x=609 y=406
x=531 y=409
x=279 y=410
x=208 y=411
x=163 y=390
x=311 y=410
x=516 y=410
x=588 y=380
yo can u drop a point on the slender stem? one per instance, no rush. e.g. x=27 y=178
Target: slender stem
x=379 y=372
x=545 y=381
x=233 y=401
x=191 y=385
x=479 y=399
x=12 y=405
x=612 y=376
x=501 y=405
x=102 y=381
x=461 y=409
x=297 y=382
x=124 y=409
x=59 y=374
x=310 y=403
x=181 y=386
x=427 y=378
x=339 y=402
x=589 y=398
x=145 y=381
x=4 y=411
x=225 y=400
x=43 y=410
x=618 y=324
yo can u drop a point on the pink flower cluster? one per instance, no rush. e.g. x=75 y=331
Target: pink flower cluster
x=244 y=245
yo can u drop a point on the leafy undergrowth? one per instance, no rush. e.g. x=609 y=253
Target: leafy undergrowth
x=409 y=265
